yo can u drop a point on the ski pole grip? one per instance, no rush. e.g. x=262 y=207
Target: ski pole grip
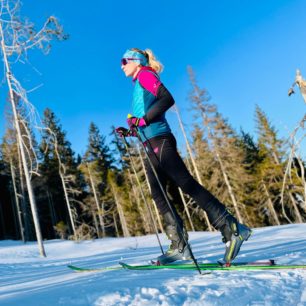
x=135 y=127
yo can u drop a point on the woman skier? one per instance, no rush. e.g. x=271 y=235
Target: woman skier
x=151 y=100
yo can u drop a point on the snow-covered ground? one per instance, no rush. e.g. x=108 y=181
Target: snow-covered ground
x=27 y=279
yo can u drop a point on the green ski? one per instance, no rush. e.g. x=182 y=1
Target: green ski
x=176 y=265
x=218 y=266
x=80 y=269
x=214 y=267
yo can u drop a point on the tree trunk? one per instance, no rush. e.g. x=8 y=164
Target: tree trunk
x=93 y=188
x=95 y=223
x=103 y=228
x=187 y=210
x=115 y=224
x=16 y=196
x=123 y=222
x=270 y=204
x=296 y=209
x=230 y=190
x=67 y=201
x=26 y=216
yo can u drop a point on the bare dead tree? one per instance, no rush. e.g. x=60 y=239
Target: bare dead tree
x=301 y=83
x=17 y=37
x=297 y=136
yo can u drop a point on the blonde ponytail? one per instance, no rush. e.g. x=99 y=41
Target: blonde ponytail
x=152 y=61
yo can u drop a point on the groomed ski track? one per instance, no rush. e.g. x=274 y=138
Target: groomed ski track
x=28 y=279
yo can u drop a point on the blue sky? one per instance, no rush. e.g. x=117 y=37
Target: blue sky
x=244 y=52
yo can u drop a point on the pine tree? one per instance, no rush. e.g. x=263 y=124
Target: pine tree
x=98 y=151
x=255 y=188
x=222 y=141
x=271 y=171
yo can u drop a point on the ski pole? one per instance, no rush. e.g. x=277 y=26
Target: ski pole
x=167 y=200
x=142 y=193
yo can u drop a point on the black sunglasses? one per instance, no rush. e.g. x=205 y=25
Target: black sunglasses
x=125 y=61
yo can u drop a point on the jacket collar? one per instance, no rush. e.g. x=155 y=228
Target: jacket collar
x=142 y=69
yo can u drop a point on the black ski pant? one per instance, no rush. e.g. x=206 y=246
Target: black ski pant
x=162 y=151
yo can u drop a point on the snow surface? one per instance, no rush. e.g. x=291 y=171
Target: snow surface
x=28 y=279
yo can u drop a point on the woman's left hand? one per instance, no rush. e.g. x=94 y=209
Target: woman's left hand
x=134 y=121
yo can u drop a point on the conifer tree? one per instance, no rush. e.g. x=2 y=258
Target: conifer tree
x=222 y=141
x=271 y=169
x=98 y=151
x=263 y=207
x=233 y=167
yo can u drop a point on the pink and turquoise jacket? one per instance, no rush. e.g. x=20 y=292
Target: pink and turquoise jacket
x=150 y=101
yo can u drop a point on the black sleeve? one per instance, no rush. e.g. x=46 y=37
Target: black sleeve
x=163 y=103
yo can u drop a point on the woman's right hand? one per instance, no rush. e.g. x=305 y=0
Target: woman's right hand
x=123 y=132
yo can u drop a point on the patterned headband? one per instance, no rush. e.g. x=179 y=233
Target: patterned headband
x=136 y=56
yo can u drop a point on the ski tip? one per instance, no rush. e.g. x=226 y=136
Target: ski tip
x=74 y=268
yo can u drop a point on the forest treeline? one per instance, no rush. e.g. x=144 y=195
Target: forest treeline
x=105 y=192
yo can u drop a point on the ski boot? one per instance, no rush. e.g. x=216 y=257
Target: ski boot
x=234 y=234
x=178 y=249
